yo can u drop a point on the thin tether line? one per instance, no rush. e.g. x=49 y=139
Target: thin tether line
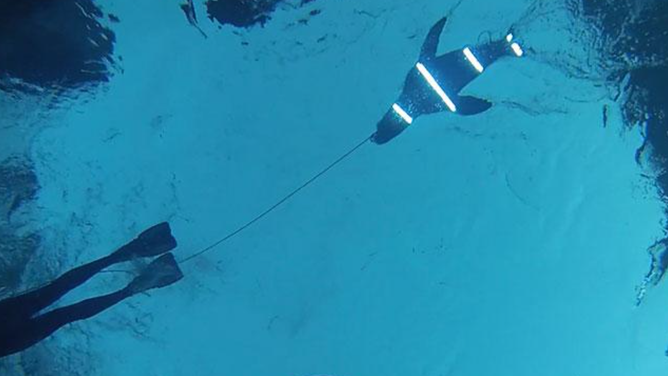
x=276 y=205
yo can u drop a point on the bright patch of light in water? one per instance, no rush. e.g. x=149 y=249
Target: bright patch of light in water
x=404 y=115
x=509 y=38
x=473 y=60
x=437 y=88
x=517 y=49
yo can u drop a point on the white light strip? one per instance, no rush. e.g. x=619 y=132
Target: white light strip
x=517 y=49
x=404 y=115
x=509 y=38
x=473 y=60
x=437 y=88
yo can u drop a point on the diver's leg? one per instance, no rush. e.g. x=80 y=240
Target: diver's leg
x=44 y=325
x=161 y=272
x=32 y=302
x=153 y=241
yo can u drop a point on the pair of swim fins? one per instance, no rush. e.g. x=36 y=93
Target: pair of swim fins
x=161 y=272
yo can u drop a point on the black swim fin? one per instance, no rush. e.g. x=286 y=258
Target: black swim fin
x=152 y=242
x=161 y=272
x=471 y=105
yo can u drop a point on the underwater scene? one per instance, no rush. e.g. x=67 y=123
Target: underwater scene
x=333 y=188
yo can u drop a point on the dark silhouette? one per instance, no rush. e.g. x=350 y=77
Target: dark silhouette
x=240 y=13
x=59 y=44
x=452 y=71
x=188 y=8
x=21 y=324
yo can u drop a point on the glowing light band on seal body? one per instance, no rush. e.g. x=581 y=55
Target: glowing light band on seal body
x=404 y=115
x=517 y=49
x=473 y=60
x=437 y=88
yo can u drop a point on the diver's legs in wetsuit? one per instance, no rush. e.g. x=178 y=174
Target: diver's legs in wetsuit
x=154 y=241
x=49 y=322
x=33 y=330
x=31 y=303
x=17 y=333
x=161 y=272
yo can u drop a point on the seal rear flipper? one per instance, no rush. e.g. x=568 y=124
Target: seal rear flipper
x=389 y=127
x=471 y=105
x=431 y=41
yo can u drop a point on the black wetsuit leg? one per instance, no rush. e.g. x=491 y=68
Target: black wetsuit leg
x=29 y=304
x=20 y=329
x=29 y=331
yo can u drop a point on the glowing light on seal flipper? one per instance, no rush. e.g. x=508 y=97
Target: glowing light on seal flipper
x=437 y=88
x=404 y=115
x=473 y=60
x=517 y=49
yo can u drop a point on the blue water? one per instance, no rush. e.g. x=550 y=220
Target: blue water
x=508 y=243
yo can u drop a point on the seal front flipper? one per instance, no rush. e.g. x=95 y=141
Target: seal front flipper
x=431 y=41
x=471 y=105
x=188 y=9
